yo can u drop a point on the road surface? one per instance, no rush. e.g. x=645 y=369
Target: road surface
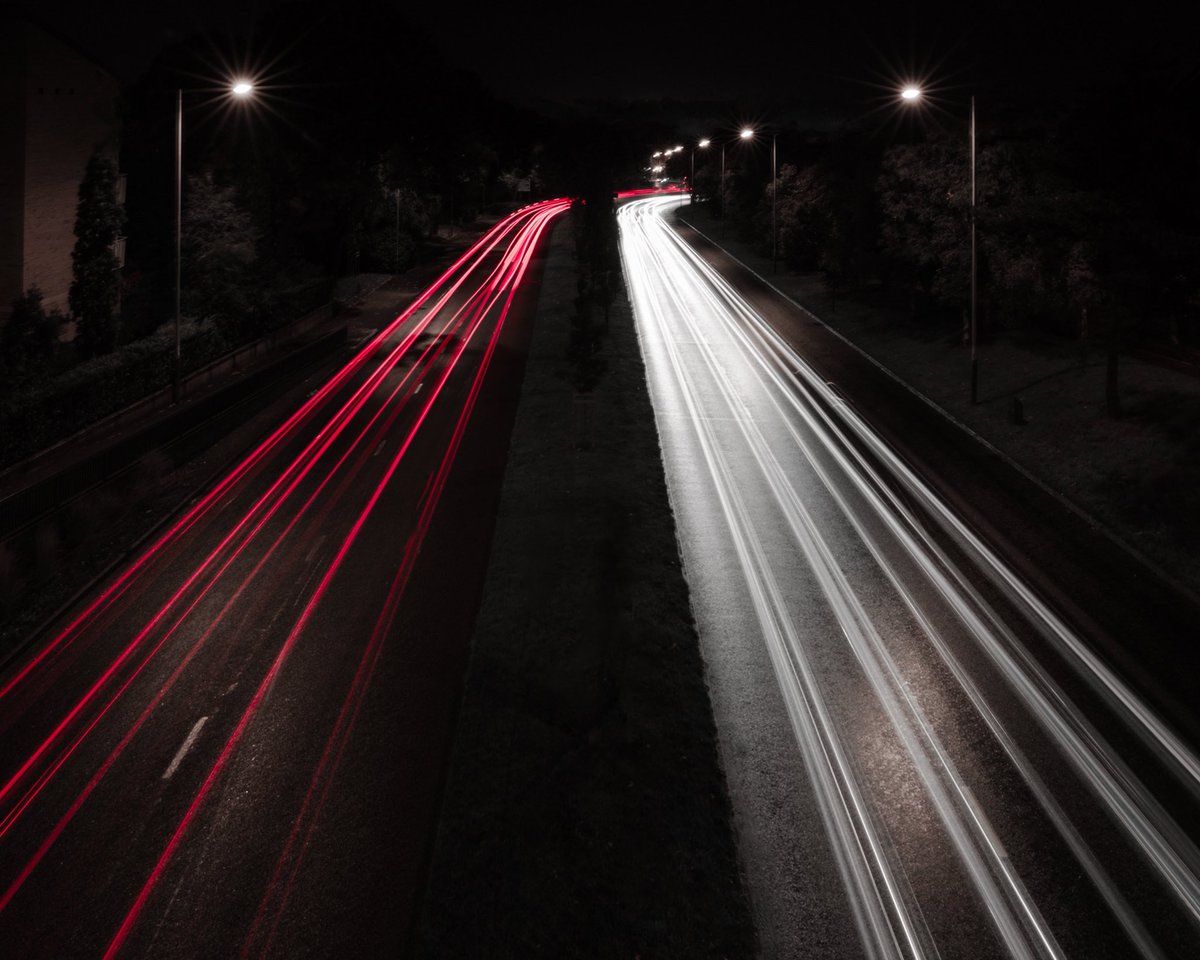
x=925 y=758
x=235 y=746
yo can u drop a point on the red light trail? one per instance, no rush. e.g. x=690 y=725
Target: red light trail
x=335 y=448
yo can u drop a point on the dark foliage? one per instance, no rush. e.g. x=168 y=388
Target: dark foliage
x=218 y=260
x=43 y=411
x=30 y=335
x=1076 y=219
x=96 y=283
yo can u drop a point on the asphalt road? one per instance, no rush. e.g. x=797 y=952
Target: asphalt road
x=944 y=736
x=236 y=746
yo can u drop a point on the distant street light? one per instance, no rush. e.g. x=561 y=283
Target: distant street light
x=242 y=89
x=912 y=94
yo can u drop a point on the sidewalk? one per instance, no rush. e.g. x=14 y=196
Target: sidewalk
x=1136 y=477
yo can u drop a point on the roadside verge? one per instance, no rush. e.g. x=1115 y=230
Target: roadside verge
x=585 y=812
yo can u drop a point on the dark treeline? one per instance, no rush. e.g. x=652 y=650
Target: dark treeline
x=359 y=146
x=356 y=144
x=1088 y=212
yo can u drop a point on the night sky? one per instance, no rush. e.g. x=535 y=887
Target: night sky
x=841 y=53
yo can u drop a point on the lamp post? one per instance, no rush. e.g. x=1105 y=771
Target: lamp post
x=746 y=133
x=703 y=145
x=240 y=89
x=910 y=95
x=774 y=227
x=178 y=235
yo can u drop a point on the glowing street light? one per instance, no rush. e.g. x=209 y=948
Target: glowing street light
x=238 y=88
x=748 y=134
x=745 y=134
x=911 y=94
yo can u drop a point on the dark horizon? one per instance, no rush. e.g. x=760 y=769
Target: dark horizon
x=842 y=58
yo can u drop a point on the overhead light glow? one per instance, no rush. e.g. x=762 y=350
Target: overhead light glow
x=747 y=133
x=910 y=93
x=703 y=143
x=243 y=88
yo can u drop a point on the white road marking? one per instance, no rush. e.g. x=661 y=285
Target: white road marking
x=321 y=539
x=187 y=745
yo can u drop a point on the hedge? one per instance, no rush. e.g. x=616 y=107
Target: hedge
x=39 y=414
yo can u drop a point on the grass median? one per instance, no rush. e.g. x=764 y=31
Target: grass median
x=585 y=813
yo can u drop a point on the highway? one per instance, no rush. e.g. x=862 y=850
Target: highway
x=926 y=758
x=235 y=745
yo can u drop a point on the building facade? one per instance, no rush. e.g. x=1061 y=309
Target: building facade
x=56 y=107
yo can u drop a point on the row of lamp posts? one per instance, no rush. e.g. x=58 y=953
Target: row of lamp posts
x=910 y=94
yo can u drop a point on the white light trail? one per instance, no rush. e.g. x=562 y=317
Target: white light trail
x=755 y=376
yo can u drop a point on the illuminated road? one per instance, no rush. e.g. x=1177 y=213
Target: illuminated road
x=235 y=746
x=925 y=760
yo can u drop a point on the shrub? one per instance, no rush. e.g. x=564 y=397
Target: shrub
x=31 y=333
x=41 y=413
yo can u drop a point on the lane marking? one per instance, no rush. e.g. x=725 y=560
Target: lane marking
x=187 y=745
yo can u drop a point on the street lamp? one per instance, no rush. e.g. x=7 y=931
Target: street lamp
x=745 y=134
x=241 y=89
x=748 y=134
x=703 y=145
x=910 y=95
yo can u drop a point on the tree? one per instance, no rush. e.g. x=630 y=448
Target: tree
x=924 y=198
x=218 y=256
x=803 y=215
x=96 y=283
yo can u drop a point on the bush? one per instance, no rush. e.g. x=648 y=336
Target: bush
x=97 y=274
x=30 y=335
x=42 y=413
